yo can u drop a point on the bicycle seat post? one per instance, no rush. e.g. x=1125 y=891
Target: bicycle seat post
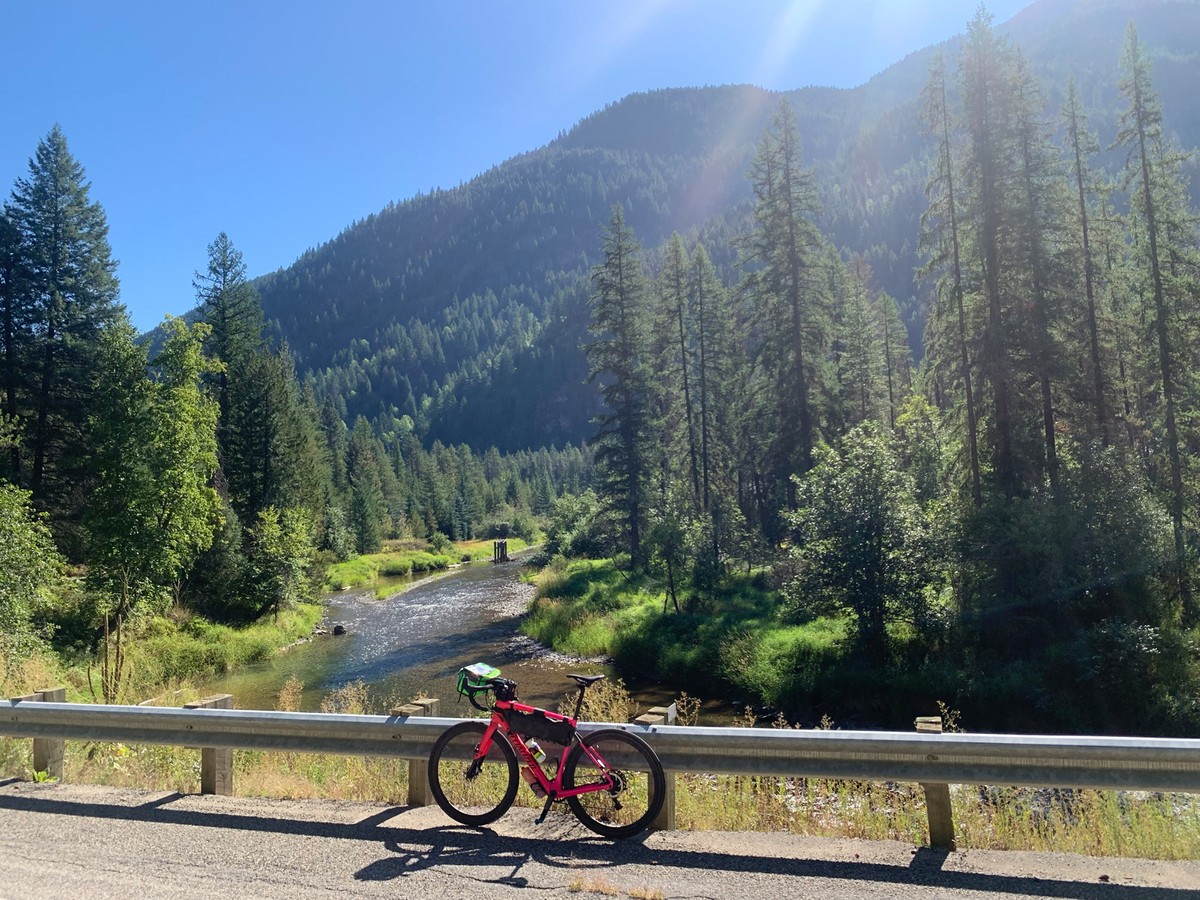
x=579 y=701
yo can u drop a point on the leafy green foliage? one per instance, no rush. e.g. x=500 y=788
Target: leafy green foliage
x=152 y=511
x=30 y=566
x=280 y=552
x=860 y=539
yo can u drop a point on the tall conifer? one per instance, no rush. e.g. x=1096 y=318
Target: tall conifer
x=619 y=355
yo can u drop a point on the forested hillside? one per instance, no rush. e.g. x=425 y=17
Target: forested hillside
x=1013 y=524
x=464 y=309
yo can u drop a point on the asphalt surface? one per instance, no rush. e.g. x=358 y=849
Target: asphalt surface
x=80 y=841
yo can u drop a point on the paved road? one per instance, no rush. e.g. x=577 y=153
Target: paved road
x=78 y=841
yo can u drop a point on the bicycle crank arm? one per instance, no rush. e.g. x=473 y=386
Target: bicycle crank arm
x=545 y=811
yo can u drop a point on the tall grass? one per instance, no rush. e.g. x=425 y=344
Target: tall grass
x=1098 y=823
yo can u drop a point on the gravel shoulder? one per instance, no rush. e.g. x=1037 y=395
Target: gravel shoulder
x=86 y=841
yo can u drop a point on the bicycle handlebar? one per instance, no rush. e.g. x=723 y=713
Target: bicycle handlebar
x=472 y=691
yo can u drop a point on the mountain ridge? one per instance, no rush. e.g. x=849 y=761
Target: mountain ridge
x=446 y=306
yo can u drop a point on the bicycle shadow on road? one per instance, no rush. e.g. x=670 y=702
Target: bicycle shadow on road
x=416 y=847
x=458 y=847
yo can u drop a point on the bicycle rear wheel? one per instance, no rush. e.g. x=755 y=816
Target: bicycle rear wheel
x=469 y=791
x=640 y=783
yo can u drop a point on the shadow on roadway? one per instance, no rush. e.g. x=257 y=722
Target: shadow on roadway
x=417 y=849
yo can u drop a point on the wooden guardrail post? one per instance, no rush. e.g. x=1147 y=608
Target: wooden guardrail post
x=47 y=752
x=662 y=715
x=216 y=764
x=937 y=797
x=418 y=768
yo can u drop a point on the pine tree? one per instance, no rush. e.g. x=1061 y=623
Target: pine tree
x=1164 y=236
x=230 y=306
x=15 y=332
x=273 y=454
x=1082 y=145
x=1047 y=270
x=787 y=292
x=942 y=235
x=897 y=356
x=67 y=294
x=368 y=512
x=619 y=357
x=987 y=104
x=673 y=371
x=862 y=357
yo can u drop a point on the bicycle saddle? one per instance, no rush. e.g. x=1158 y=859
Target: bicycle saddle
x=585 y=680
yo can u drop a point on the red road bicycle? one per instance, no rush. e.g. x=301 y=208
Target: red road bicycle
x=611 y=779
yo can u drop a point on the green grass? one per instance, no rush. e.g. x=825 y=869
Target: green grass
x=168 y=652
x=401 y=558
x=590 y=608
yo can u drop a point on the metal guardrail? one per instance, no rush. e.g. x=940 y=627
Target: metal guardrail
x=1155 y=764
x=932 y=759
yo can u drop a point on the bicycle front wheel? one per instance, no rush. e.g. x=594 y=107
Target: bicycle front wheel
x=639 y=783
x=474 y=792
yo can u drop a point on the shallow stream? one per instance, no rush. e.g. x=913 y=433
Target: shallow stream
x=409 y=637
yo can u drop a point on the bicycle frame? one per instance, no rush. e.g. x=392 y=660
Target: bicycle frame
x=554 y=788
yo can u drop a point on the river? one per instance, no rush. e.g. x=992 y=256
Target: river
x=409 y=637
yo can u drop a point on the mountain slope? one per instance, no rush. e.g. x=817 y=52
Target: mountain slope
x=465 y=308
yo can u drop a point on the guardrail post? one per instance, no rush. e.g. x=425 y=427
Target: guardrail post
x=662 y=715
x=47 y=752
x=937 y=797
x=418 y=768
x=216 y=764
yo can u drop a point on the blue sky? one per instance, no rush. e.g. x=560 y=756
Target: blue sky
x=283 y=122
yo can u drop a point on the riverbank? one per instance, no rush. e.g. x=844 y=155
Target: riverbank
x=408 y=557
x=734 y=645
x=165 y=655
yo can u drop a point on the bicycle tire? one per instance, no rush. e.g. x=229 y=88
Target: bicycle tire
x=478 y=799
x=640 y=792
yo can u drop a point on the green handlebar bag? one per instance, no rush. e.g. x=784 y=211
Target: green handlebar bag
x=476 y=676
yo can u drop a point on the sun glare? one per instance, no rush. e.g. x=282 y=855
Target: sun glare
x=789 y=31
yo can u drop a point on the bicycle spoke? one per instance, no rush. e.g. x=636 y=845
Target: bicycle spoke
x=469 y=791
x=636 y=795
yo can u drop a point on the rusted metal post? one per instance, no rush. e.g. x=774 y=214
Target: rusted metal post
x=418 y=768
x=216 y=764
x=662 y=715
x=937 y=797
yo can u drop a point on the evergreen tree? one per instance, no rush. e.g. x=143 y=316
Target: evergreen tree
x=230 y=306
x=987 y=107
x=368 y=512
x=1082 y=145
x=861 y=340
x=67 y=294
x=943 y=238
x=273 y=455
x=897 y=357
x=619 y=356
x=788 y=295
x=15 y=333
x=1164 y=239
x=674 y=369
